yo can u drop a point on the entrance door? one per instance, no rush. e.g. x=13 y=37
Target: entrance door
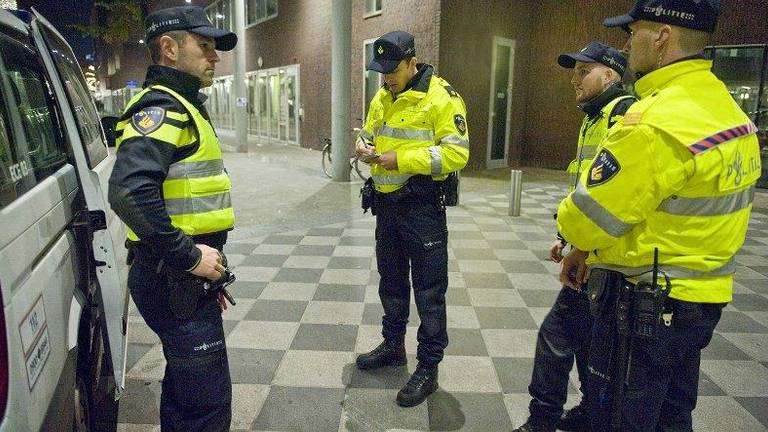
x=503 y=61
x=276 y=93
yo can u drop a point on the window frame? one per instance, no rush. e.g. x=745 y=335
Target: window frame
x=95 y=133
x=367 y=42
x=374 y=12
x=265 y=18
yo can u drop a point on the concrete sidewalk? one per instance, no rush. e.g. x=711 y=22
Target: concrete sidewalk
x=308 y=303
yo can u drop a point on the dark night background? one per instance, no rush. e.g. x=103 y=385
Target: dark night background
x=62 y=14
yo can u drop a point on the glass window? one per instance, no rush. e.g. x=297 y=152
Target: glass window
x=372 y=7
x=40 y=152
x=80 y=99
x=260 y=10
x=372 y=80
x=9 y=169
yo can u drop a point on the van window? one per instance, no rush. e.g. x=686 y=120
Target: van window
x=80 y=99
x=40 y=152
x=7 y=183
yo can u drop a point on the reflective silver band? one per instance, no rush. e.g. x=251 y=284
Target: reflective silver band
x=708 y=206
x=204 y=204
x=411 y=134
x=365 y=135
x=455 y=140
x=391 y=180
x=674 y=272
x=588 y=152
x=437 y=160
x=598 y=214
x=181 y=170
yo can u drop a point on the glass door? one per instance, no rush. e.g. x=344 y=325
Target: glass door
x=502 y=65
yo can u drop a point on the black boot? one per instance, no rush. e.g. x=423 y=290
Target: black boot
x=423 y=383
x=575 y=420
x=534 y=426
x=386 y=354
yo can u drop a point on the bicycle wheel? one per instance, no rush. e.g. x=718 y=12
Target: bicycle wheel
x=362 y=169
x=327 y=162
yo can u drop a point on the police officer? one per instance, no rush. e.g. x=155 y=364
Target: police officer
x=676 y=175
x=564 y=334
x=417 y=126
x=170 y=188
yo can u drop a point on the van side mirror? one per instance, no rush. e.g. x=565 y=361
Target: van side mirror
x=108 y=123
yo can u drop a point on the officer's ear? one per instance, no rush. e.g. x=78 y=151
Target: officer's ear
x=169 y=46
x=663 y=34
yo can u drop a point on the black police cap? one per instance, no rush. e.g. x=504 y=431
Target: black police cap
x=596 y=52
x=390 y=49
x=693 y=14
x=190 y=18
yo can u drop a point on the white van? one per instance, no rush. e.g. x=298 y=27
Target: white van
x=62 y=262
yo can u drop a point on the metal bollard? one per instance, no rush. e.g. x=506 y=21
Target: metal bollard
x=515 y=192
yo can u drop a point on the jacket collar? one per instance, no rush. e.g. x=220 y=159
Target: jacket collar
x=661 y=77
x=418 y=86
x=176 y=80
x=593 y=106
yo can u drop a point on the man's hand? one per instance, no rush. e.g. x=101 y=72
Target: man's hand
x=222 y=302
x=210 y=265
x=556 y=252
x=573 y=269
x=363 y=149
x=388 y=160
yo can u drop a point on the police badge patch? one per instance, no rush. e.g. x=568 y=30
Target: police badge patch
x=461 y=124
x=604 y=168
x=148 y=120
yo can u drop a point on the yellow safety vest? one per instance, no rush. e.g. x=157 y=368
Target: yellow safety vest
x=591 y=134
x=196 y=190
x=677 y=173
x=427 y=129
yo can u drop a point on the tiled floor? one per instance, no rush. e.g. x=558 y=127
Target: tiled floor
x=308 y=303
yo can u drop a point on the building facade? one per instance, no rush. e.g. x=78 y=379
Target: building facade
x=499 y=54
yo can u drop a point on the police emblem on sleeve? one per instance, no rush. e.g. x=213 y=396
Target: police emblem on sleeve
x=148 y=120
x=604 y=168
x=461 y=124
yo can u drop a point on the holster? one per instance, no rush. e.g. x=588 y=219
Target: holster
x=368 y=197
x=449 y=189
x=184 y=292
x=598 y=284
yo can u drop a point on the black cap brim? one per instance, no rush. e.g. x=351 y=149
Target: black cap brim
x=383 y=66
x=622 y=21
x=568 y=61
x=225 y=40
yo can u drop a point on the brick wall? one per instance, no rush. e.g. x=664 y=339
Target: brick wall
x=466 y=45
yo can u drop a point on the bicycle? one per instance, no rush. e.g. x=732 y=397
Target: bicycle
x=362 y=169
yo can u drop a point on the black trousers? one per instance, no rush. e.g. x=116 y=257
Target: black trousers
x=412 y=240
x=196 y=392
x=663 y=378
x=564 y=334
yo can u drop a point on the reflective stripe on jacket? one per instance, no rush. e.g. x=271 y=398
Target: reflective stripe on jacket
x=677 y=174
x=196 y=190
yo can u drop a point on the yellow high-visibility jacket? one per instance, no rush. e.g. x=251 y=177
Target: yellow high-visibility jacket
x=594 y=129
x=197 y=189
x=425 y=125
x=678 y=174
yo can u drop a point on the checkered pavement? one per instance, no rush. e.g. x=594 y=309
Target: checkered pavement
x=308 y=303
